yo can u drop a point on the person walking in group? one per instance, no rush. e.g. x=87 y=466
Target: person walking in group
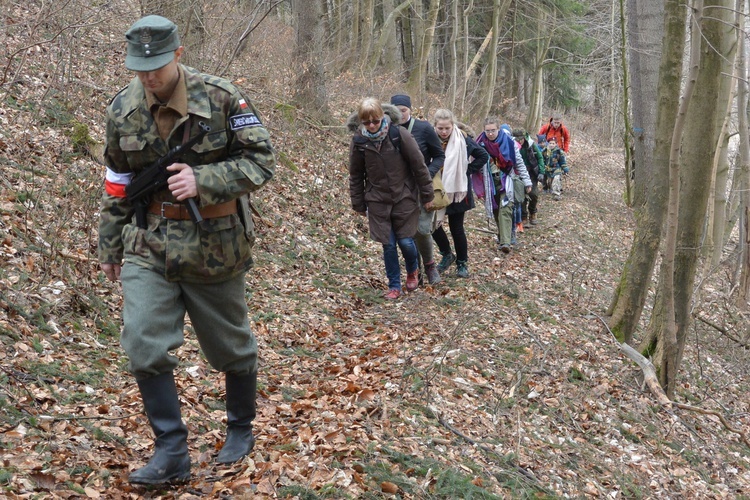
x=173 y=265
x=387 y=180
x=519 y=192
x=459 y=149
x=505 y=162
x=433 y=154
x=554 y=128
x=555 y=167
x=532 y=157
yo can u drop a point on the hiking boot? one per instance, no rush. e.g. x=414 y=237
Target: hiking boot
x=448 y=259
x=505 y=248
x=462 y=270
x=519 y=227
x=433 y=276
x=392 y=294
x=532 y=220
x=412 y=281
x=557 y=197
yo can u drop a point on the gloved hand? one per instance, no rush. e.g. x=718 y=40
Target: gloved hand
x=540 y=177
x=566 y=170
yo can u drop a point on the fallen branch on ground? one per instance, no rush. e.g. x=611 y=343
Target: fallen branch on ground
x=649 y=374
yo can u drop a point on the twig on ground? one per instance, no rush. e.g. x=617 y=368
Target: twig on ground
x=480 y=230
x=525 y=473
x=722 y=331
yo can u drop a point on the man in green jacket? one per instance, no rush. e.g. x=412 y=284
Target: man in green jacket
x=174 y=265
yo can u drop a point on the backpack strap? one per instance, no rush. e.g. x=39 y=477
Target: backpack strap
x=394 y=134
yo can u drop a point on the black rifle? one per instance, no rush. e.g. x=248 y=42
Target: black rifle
x=154 y=178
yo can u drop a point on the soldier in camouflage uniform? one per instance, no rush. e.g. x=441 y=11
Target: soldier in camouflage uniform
x=174 y=265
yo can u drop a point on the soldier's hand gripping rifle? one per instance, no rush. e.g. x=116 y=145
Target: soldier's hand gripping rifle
x=154 y=178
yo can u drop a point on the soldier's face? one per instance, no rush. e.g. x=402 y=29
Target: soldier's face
x=161 y=82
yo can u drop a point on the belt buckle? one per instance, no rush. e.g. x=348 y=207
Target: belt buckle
x=167 y=203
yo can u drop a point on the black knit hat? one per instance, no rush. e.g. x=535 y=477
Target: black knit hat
x=401 y=100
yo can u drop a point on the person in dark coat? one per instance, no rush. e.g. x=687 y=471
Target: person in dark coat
x=532 y=157
x=463 y=157
x=386 y=182
x=429 y=145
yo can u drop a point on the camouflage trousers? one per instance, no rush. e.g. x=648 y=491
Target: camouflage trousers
x=154 y=317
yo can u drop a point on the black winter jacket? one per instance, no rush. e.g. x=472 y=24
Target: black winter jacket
x=429 y=144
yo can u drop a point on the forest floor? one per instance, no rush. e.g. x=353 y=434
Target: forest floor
x=505 y=384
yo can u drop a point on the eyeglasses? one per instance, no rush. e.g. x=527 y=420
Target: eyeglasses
x=490 y=132
x=371 y=122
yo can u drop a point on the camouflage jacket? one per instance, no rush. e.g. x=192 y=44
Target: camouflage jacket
x=235 y=158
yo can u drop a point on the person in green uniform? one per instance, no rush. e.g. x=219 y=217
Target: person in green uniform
x=174 y=265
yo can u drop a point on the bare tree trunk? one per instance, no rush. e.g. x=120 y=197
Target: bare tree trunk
x=645 y=24
x=614 y=101
x=625 y=98
x=354 y=37
x=407 y=37
x=310 y=85
x=717 y=189
x=521 y=89
x=338 y=21
x=452 y=45
x=465 y=65
x=367 y=32
x=744 y=177
x=650 y=85
x=543 y=40
x=384 y=44
x=668 y=363
x=388 y=48
x=416 y=82
x=490 y=76
x=710 y=38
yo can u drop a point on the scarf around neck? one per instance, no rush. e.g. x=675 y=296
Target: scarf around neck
x=500 y=147
x=455 y=166
x=378 y=136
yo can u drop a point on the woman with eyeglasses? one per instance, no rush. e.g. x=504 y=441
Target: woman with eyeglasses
x=506 y=162
x=387 y=177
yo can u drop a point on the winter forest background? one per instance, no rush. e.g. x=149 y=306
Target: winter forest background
x=607 y=357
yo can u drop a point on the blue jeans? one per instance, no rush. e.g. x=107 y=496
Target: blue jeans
x=392 y=265
x=517 y=213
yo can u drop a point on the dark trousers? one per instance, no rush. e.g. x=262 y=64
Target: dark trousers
x=456 y=225
x=529 y=204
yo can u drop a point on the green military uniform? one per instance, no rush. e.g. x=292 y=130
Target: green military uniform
x=227 y=164
x=174 y=265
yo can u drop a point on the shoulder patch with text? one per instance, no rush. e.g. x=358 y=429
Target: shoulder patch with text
x=246 y=120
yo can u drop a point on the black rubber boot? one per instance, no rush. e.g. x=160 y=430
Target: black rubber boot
x=171 y=461
x=240 y=415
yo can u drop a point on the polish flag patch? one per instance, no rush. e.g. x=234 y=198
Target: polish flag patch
x=243 y=104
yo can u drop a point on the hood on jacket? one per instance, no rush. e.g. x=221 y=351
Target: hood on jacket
x=352 y=124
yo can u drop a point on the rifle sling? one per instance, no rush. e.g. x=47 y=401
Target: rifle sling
x=178 y=211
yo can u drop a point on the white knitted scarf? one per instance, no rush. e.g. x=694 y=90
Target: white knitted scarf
x=454 y=170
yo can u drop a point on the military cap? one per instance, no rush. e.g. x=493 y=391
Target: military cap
x=152 y=41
